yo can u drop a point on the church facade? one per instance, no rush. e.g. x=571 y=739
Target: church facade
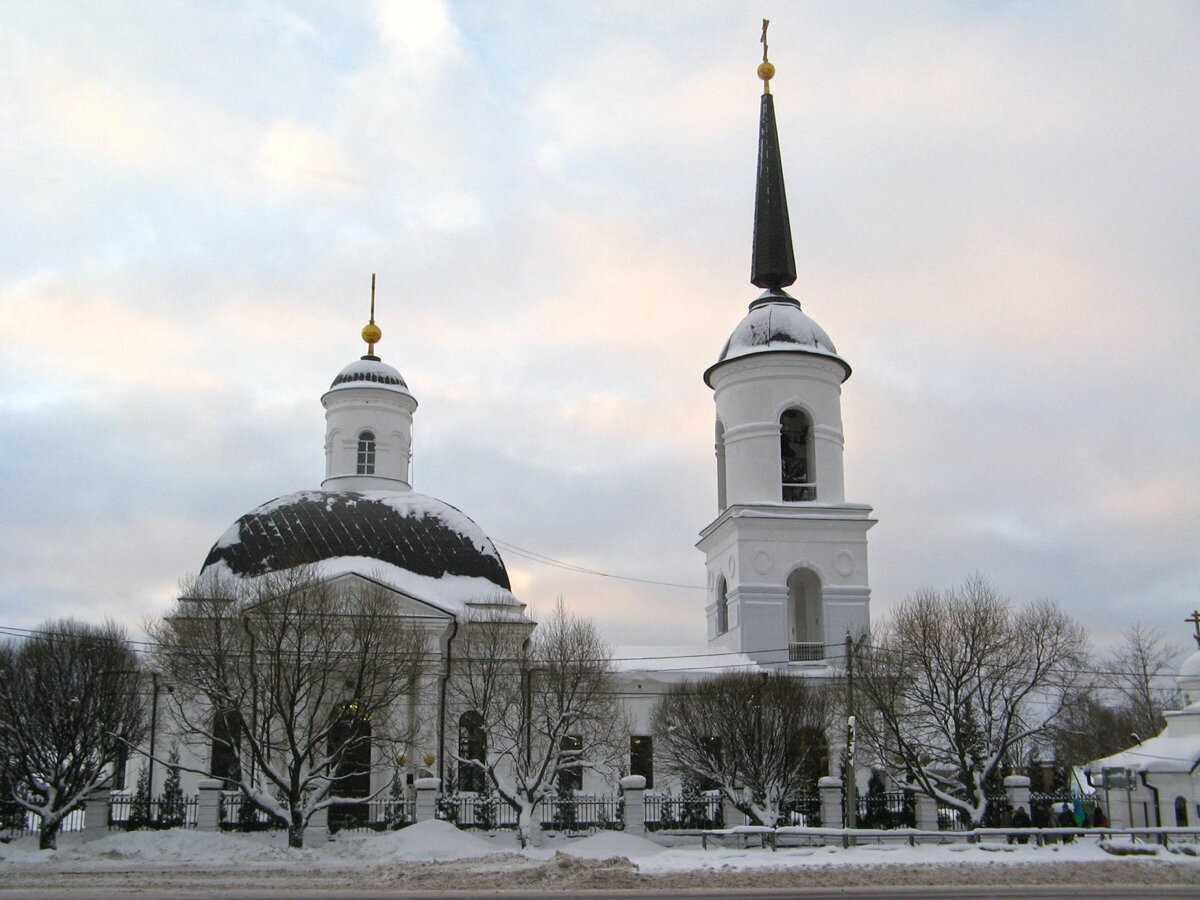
x=785 y=556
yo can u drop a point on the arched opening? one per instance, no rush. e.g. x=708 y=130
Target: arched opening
x=350 y=746
x=805 y=638
x=722 y=606
x=472 y=744
x=795 y=455
x=720 y=447
x=366 y=453
x=1181 y=816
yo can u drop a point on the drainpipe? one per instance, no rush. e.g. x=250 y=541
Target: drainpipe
x=1157 y=810
x=441 y=741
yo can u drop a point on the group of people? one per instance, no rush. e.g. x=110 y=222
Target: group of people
x=1061 y=815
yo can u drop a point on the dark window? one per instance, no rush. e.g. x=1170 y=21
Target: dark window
x=794 y=438
x=722 y=606
x=1181 y=812
x=472 y=744
x=366 y=453
x=226 y=737
x=641 y=757
x=570 y=778
x=118 y=779
x=712 y=747
x=350 y=741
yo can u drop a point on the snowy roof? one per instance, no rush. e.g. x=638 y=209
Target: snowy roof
x=703 y=660
x=774 y=324
x=1165 y=753
x=370 y=371
x=414 y=539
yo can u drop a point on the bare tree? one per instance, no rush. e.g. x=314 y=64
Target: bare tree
x=293 y=679
x=69 y=706
x=1138 y=675
x=957 y=683
x=760 y=738
x=543 y=706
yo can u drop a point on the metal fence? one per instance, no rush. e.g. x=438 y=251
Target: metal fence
x=126 y=813
x=372 y=815
x=578 y=813
x=887 y=809
x=24 y=823
x=238 y=815
x=704 y=811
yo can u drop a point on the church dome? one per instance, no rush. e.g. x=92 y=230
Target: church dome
x=372 y=372
x=776 y=323
x=395 y=534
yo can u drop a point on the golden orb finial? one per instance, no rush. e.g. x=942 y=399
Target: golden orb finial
x=371 y=332
x=766 y=71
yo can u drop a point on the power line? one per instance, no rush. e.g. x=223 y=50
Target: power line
x=533 y=556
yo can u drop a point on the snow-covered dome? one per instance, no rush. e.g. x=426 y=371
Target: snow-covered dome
x=1188 y=680
x=393 y=534
x=369 y=372
x=776 y=323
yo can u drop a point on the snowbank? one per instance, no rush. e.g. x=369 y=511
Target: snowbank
x=610 y=844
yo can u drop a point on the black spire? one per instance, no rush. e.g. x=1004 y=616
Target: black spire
x=774 y=265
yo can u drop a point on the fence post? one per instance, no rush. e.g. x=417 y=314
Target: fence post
x=731 y=816
x=208 y=805
x=426 y=804
x=830 y=789
x=1017 y=789
x=927 y=812
x=634 y=787
x=316 y=832
x=95 y=814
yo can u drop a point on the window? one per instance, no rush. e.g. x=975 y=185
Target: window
x=570 y=778
x=472 y=744
x=641 y=757
x=1181 y=812
x=350 y=745
x=794 y=452
x=366 y=453
x=118 y=777
x=226 y=737
x=722 y=606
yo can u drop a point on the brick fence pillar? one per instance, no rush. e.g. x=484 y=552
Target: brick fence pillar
x=95 y=814
x=927 y=812
x=426 y=805
x=1017 y=789
x=830 y=788
x=634 y=788
x=316 y=832
x=208 y=806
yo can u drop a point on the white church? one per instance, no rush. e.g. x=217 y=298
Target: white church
x=786 y=554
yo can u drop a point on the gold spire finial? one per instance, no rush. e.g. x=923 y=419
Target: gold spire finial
x=766 y=71
x=371 y=333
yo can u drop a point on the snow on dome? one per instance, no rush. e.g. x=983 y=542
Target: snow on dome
x=368 y=372
x=776 y=323
x=407 y=531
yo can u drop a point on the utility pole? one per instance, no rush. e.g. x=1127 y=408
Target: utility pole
x=850 y=788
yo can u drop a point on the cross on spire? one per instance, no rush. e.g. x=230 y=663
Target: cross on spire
x=1194 y=618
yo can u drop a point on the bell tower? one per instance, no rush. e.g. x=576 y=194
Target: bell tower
x=368 y=423
x=786 y=554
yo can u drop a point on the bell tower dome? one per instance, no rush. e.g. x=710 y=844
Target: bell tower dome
x=786 y=555
x=368 y=423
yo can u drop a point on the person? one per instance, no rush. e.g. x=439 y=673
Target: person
x=1020 y=819
x=1099 y=820
x=1066 y=819
x=1041 y=819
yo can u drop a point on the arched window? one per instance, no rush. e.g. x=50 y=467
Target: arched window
x=366 y=453
x=805 y=643
x=472 y=744
x=1181 y=817
x=795 y=436
x=722 y=606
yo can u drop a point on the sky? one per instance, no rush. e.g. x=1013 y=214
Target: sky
x=994 y=207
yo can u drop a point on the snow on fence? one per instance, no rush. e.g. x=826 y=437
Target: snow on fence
x=372 y=815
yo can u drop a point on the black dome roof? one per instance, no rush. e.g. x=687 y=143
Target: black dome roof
x=414 y=532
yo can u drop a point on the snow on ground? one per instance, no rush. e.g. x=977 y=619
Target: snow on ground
x=436 y=857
